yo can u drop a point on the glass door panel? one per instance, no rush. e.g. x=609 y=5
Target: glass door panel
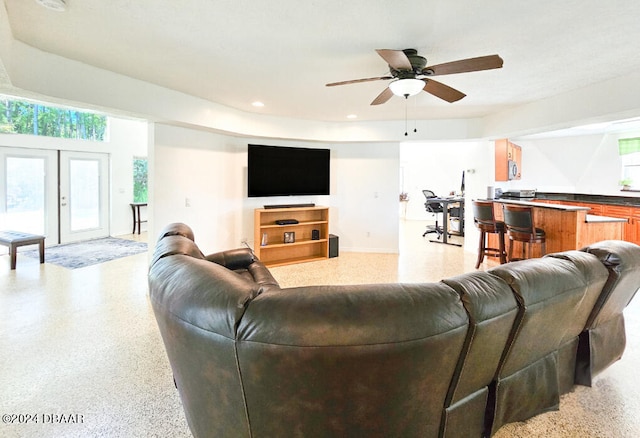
x=25 y=199
x=84 y=196
x=28 y=192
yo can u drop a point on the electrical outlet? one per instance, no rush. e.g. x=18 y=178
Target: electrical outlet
x=187 y=202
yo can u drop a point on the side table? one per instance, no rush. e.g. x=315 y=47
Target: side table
x=135 y=208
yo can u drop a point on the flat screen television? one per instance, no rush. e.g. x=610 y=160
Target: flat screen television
x=287 y=171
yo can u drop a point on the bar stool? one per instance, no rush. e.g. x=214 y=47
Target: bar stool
x=520 y=227
x=486 y=222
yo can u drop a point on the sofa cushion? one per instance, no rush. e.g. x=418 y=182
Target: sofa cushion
x=595 y=276
x=492 y=310
x=365 y=360
x=622 y=260
x=603 y=340
x=548 y=290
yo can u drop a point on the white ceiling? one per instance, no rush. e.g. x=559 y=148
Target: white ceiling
x=234 y=52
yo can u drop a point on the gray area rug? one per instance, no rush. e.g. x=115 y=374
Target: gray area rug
x=89 y=252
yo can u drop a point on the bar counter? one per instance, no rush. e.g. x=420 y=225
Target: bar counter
x=566 y=226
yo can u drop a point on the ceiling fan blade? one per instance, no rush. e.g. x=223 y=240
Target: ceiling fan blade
x=395 y=58
x=355 y=81
x=464 y=65
x=383 y=97
x=442 y=91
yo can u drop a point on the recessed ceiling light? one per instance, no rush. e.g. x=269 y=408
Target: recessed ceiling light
x=352 y=116
x=54 y=5
x=257 y=103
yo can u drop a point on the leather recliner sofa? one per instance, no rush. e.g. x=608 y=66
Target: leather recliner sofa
x=460 y=357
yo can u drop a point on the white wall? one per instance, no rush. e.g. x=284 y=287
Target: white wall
x=128 y=138
x=365 y=198
x=587 y=164
x=210 y=170
x=198 y=180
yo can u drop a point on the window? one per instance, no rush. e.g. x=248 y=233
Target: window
x=20 y=117
x=629 y=150
x=631 y=174
x=140 y=179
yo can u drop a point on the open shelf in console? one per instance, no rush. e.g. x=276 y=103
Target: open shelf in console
x=308 y=239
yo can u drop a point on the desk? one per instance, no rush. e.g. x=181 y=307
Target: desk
x=446 y=206
x=135 y=208
x=14 y=239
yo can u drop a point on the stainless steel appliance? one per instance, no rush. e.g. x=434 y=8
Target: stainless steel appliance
x=518 y=194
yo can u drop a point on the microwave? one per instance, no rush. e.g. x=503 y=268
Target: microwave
x=513 y=170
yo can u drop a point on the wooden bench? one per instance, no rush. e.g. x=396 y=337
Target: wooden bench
x=14 y=239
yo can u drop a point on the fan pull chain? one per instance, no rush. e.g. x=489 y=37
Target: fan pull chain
x=406 y=122
x=405 y=115
x=415 y=121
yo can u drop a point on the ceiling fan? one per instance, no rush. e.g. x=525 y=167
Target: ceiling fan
x=412 y=75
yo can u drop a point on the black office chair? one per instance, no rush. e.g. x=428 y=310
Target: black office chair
x=435 y=208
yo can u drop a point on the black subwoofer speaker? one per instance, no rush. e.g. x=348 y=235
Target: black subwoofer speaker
x=333 y=245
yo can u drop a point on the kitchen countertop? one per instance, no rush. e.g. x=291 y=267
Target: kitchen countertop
x=630 y=201
x=542 y=205
x=592 y=218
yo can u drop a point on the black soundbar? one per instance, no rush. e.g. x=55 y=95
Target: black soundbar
x=286 y=221
x=289 y=205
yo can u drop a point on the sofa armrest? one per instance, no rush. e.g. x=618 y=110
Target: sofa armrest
x=244 y=262
x=233 y=259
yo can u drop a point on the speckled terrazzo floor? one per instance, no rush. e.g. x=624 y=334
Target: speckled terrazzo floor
x=82 y=345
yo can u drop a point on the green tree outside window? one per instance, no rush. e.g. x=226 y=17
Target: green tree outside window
x=140 y=170
x=18 y=117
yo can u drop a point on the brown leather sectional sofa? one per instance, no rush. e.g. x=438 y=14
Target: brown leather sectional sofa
x=461 y=357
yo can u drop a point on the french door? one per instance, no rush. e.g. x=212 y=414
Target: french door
x=29 y=190
x=62 y=195
x=84 y=196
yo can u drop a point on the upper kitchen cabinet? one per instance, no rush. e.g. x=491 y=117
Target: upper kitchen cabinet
x=508 y=160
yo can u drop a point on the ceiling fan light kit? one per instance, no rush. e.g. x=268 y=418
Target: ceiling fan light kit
x=406 y=87
x=410 y=72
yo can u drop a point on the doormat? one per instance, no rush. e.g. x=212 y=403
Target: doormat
x=90 y=252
